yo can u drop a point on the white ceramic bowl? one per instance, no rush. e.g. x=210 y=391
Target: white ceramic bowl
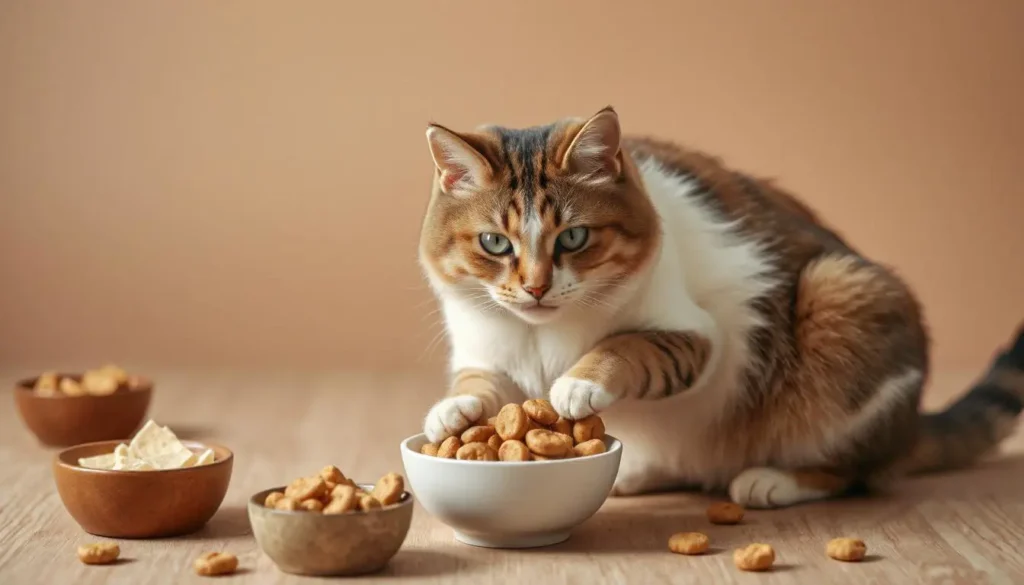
x=502 y=504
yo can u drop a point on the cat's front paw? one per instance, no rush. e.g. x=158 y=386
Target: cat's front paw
x=451 y=416
x=574 y=398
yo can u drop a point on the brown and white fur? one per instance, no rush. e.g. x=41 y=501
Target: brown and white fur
x=729 y=337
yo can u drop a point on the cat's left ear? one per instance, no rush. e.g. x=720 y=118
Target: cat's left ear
x=595 y=149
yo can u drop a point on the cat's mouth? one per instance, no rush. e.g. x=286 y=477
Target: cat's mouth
x=537 y=308
x=535 y=312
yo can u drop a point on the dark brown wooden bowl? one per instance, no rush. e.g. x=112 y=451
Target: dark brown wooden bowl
x=62 y=421
x=141 y=504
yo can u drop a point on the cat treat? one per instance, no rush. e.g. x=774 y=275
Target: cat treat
x=330 y=492
x=531 y=431
x=725 y=513
x=688 y=543
x=850 y=550
x=754 y=557
x=102 y=381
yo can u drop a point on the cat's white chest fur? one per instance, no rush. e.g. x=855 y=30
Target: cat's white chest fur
x=703 y=280
x=533 y=356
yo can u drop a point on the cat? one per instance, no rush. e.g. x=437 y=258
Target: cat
x=730 y=338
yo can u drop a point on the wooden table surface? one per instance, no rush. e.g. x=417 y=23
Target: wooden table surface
x=957 y=528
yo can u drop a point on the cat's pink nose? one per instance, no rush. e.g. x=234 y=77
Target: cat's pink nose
x=537 y=291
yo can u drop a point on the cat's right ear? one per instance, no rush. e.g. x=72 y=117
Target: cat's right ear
x=461 y=167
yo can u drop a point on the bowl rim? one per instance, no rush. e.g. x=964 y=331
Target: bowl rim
x=406 y=500
x=26 y=385
x=75 y=468
x=614 y=449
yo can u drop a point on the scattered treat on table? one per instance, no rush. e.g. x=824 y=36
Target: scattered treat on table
x=330 y=492
x=99 y=553
x=152 y=448
x=754 y=557
x=531 y=431
x=725 y=513
x=212 y=564
x=99 y=382
x=850 y=550
x=688 y=543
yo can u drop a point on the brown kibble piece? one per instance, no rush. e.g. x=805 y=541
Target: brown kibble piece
x=548 y=443
x=477 y=434
x=286 y=503
x=305 y=488
x=116 y=372
x=389 y=489
x=588 y=428
x=541 y=411
x=46 y=384
x=311 y=505
x=341 y=506
x=71 y=388
x=99 y=383
x=476 y=452
x=493 y=421
x=850 y=550
x=367 y=503
x=513 y=451
x=591 y=447
x=754 y=557
x=494 y=442
x=429 y=449
x=688 y=543
x=512 y=422
x=215 y=563
x=272 y=499
x=344 y=497
x=332 y=475
x=449 y=447
x=562 y=425
x=99 y=553
x=725 y=513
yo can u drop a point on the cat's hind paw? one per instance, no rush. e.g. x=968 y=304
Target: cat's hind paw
x=766 y=487
x=574 y=398
x=451 y=416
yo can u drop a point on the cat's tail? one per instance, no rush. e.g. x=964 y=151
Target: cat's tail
x=976 y=423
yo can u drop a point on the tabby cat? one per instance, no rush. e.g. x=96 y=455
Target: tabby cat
x=729 y=337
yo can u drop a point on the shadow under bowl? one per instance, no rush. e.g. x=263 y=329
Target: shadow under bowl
x=141 y=504
x=62 y=421
x=506 y=504
x=309 y=543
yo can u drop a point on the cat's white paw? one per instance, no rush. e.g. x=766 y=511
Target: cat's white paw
x=574 y=398
x=765 y=487
x=451 y=416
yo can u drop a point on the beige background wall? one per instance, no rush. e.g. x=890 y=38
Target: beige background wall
x=230 y=183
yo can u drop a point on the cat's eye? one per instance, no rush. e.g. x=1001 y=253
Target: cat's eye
x=496 y=244
x=573 y=238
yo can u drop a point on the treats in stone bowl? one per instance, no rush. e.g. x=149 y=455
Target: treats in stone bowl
x=328 y=525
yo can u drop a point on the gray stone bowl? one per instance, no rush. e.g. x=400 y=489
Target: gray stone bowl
x=306 y=543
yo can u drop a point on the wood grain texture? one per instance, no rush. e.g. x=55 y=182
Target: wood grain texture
x=956 y=528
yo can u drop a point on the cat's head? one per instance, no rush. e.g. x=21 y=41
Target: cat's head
x=537 y=221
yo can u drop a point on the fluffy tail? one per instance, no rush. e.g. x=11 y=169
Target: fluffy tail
x=975 y=424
